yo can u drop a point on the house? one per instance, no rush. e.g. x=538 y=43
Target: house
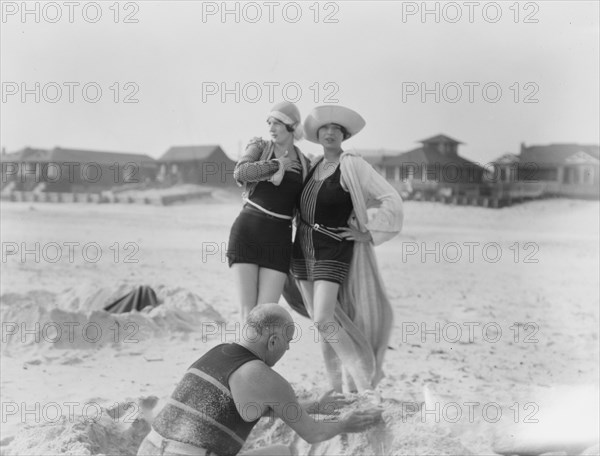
x=74 y=170
x=196 y=165
x=435 y=167
x=505 y=169
x=570 y=170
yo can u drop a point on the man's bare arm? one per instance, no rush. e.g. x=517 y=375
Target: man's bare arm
x=258 y=384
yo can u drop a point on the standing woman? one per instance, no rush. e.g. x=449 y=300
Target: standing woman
x=260 y=240
x=333 y=257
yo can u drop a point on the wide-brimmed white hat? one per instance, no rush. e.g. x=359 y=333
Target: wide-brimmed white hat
x=289 y=114
x=323 y=115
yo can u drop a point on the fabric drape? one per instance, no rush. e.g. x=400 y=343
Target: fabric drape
x=363 y=309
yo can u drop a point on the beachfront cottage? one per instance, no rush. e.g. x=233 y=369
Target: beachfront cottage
x=570 y=170
x=434 y=168
x=505 y=169
x=196 y=165
x=73 y=170
x=567 y=169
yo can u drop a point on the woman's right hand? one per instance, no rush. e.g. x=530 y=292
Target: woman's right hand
x=289 y=164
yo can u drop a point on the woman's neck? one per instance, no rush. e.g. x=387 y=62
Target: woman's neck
x=332 y=155
x=288 y=145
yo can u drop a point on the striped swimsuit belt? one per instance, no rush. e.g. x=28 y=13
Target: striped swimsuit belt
x=331 y=232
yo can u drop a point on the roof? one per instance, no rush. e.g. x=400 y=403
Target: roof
x=26 y=154
x=556 y=153
x=507 y=159
x=190 y=153
x=441 y=138
x=101 y=157
x=61 y=155
x=376 y=156
x=421 y=156
x=582 y=157
x=417 y=156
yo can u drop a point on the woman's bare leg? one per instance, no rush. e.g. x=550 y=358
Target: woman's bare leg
x=306 y=290
x=325 y=299
x=332 y=361
x=349 y=381
x=333 y=365
x=247 y=287
x=270 y=285
x=339 y=342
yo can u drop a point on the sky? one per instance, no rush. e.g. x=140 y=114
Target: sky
x=144 y=76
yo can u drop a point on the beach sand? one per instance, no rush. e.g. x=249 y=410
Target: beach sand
x=496 y=327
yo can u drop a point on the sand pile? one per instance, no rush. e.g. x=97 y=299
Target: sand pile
x=401 y=432
x=74 y=319
x=118 y=430
x=567 y=425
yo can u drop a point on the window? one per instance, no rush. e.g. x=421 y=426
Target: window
x=587 y=175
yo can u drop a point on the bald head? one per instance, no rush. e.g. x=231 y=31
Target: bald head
x=273 y=329
x=268 y=318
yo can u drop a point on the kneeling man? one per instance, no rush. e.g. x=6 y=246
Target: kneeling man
x=224 y=393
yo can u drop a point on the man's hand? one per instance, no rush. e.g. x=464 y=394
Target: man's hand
x=331 y=402
x=359 y=420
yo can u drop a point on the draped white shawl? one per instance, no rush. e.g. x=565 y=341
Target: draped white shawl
x=363 y=308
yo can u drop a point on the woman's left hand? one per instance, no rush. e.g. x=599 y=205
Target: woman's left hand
x=352 y=234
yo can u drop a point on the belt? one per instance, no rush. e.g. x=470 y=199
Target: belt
x=174 y=446
x=331 y=232
x=253 y=205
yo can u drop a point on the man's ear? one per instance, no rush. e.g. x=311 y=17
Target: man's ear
x=272 y=341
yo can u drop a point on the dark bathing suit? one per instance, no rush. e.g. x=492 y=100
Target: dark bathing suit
x=201 y=410
x=260 y=238
x=317 y=256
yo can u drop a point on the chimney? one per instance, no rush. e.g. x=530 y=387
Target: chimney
x=522 y=147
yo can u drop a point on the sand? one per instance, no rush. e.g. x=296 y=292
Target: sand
x=484 y=344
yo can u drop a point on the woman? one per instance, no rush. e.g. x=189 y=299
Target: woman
x=333 y=258
x=260 y=241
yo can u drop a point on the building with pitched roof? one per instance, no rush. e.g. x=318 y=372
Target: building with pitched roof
x=206 y=164
x=74 y=170
x=433 y=167
x=564 y=169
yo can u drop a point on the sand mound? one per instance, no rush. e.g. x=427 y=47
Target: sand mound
x=115 y=431
x=401 y=432
x=119 y=430
x=75 y=319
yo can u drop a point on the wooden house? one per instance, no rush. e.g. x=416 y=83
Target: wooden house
x=570 y=170
x=74 y=170
x=433 y=168
x=196 y=165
